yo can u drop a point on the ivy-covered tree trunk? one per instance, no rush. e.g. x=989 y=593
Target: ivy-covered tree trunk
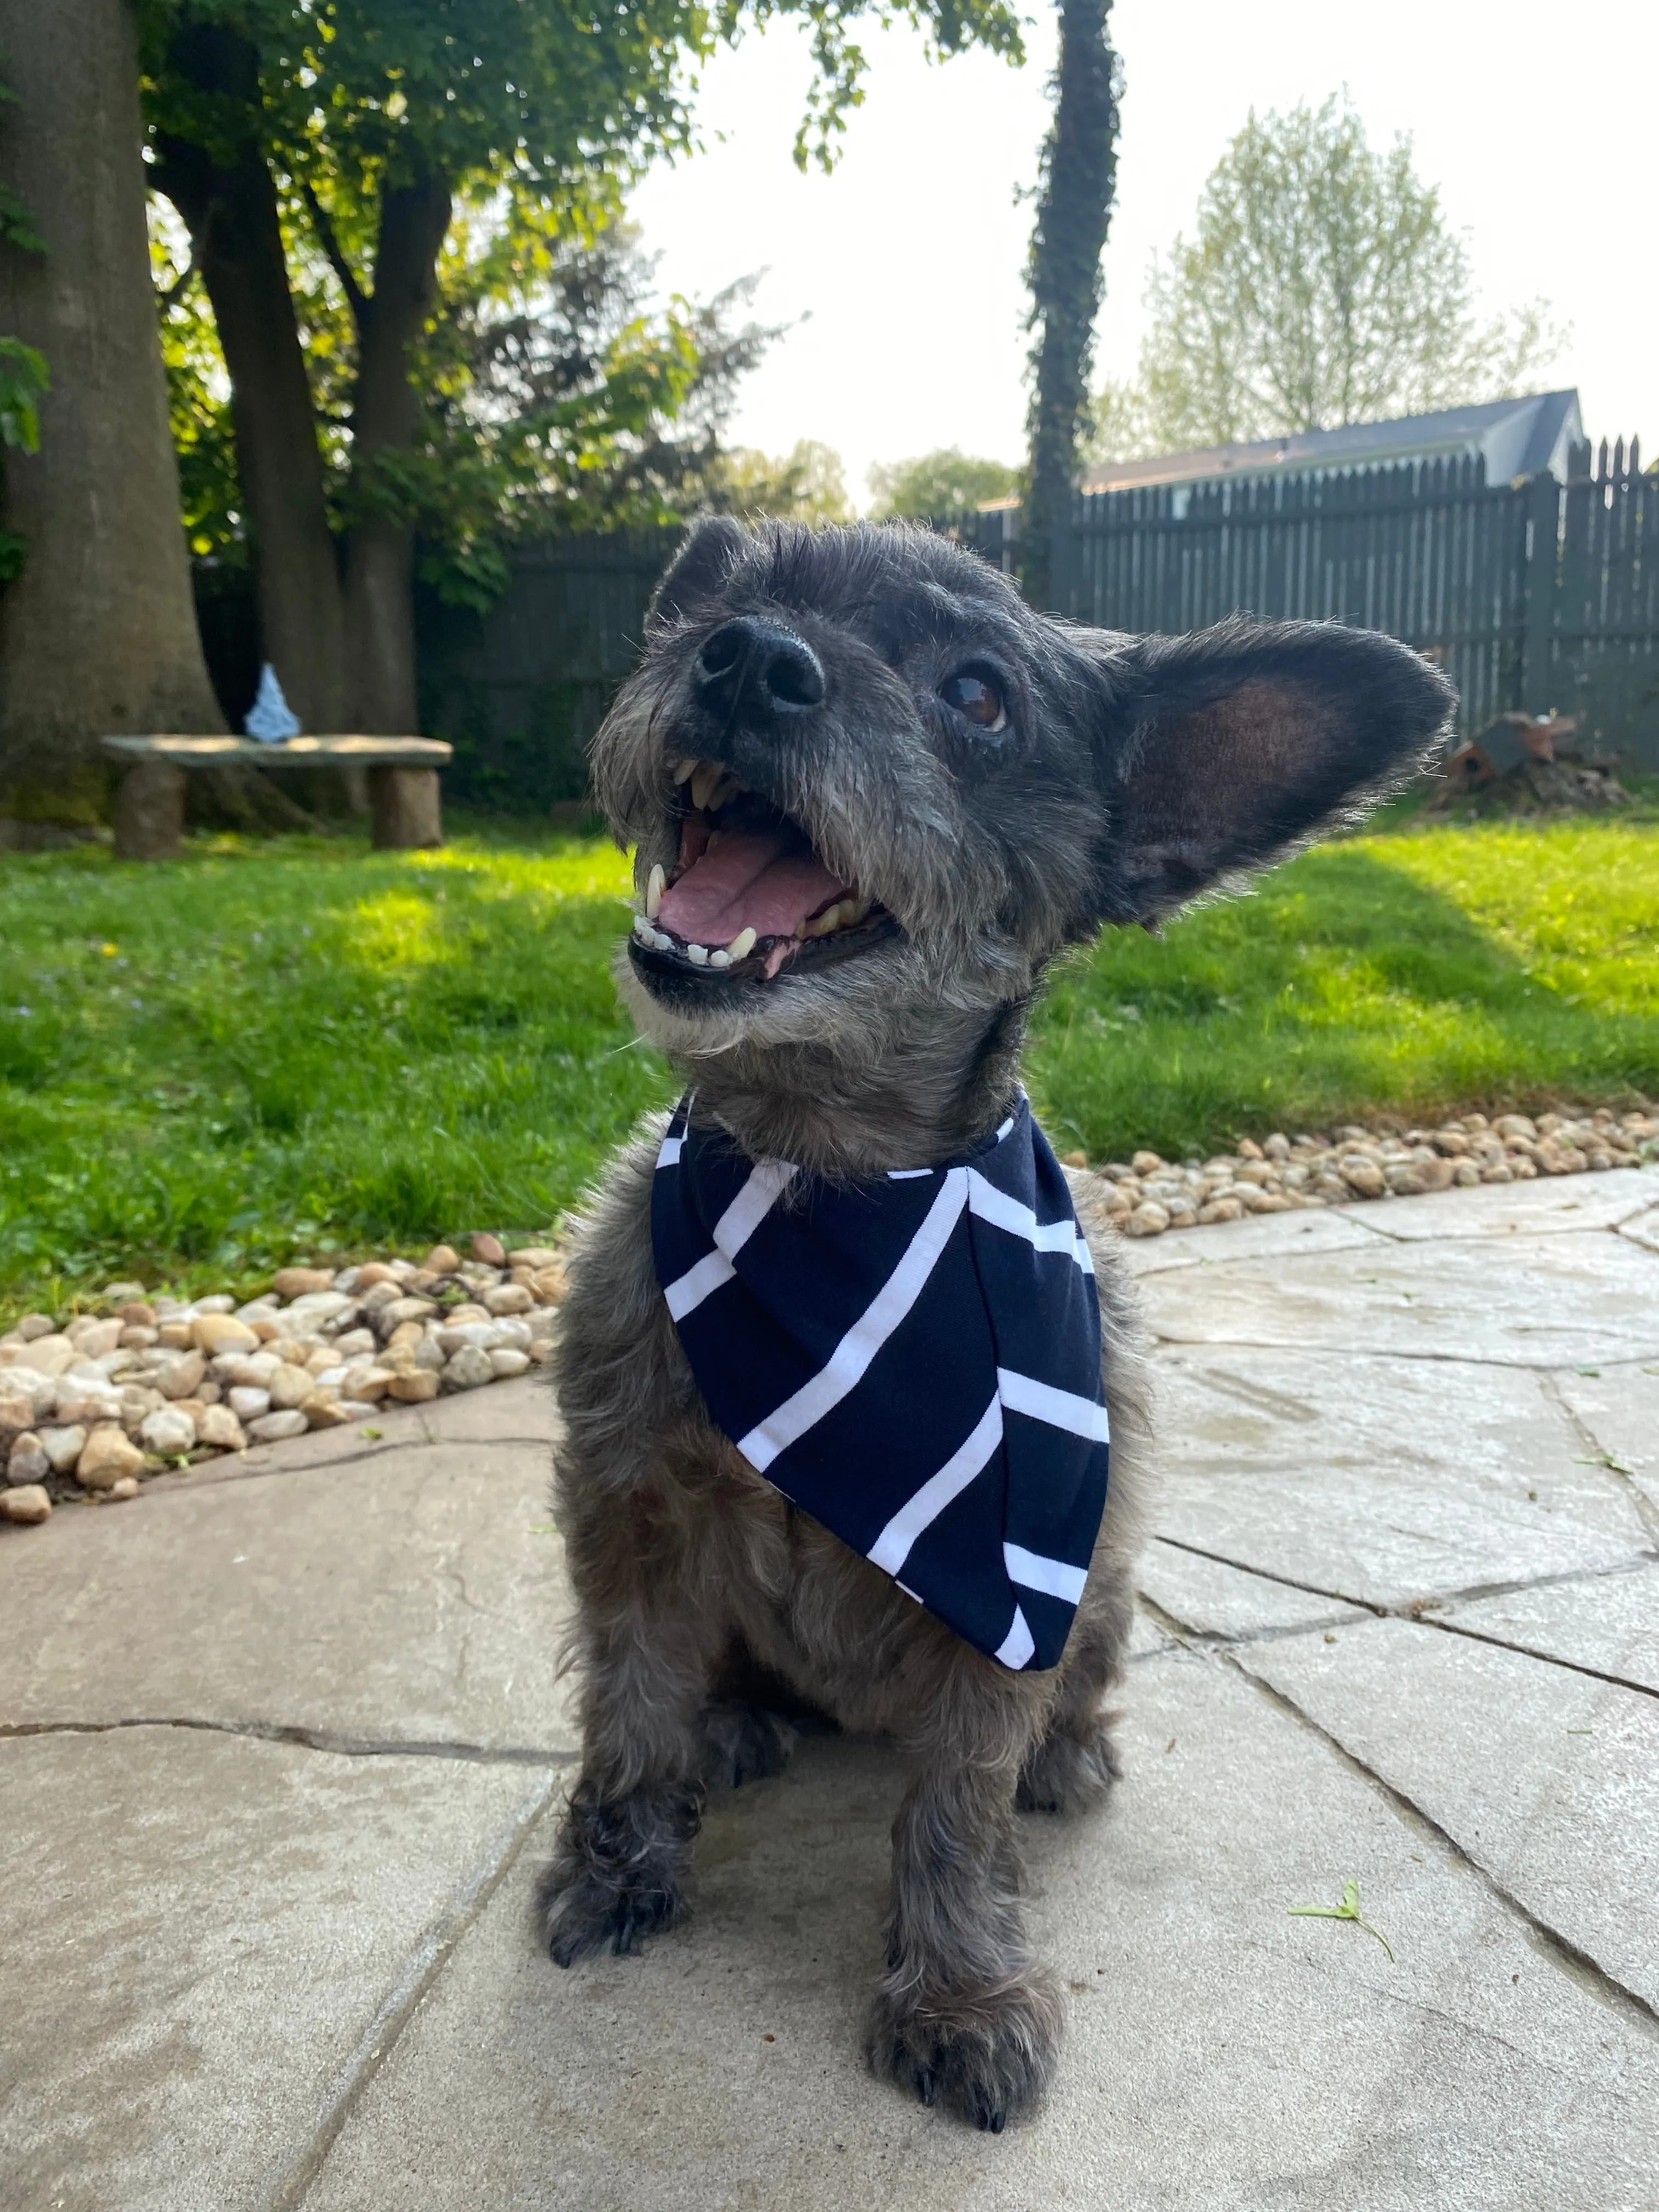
x=1074 y=211
x=228 y=202
x=98 y=635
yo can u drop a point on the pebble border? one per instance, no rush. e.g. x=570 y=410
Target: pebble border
x=1147 y=1196
x=93 y=1406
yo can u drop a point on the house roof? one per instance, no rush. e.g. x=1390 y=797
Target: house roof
x=1516 y=437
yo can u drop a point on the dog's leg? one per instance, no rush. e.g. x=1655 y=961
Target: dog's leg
x=1075 y=1764
x=647 y=1655
x=965 y=2015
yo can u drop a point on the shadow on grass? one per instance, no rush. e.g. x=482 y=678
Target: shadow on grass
x=1343 y=983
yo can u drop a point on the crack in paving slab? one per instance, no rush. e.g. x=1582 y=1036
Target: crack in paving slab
x=341 y=1747
x=212 y=1473
x=1646 y=1511
x=381 y=2037
x=1416 y=1612
x=1560 y=1951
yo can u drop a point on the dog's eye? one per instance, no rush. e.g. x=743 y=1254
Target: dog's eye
x=975 y=696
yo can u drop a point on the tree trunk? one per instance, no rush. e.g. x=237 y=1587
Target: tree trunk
x=379 y=584
x=99 y=632
x=231 y=213
x=1074 y=211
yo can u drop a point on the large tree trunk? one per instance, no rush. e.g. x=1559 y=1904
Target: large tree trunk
x=1073 y=214
x=99 y=632
x=385 y=422
x=230 y=210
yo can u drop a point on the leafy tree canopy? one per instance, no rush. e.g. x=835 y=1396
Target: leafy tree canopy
x=1323 y=285
x=947 y=481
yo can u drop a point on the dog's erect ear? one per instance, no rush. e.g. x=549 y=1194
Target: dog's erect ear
x=708 y=554
x=1225 y=748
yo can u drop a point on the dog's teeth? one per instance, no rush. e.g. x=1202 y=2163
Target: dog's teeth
x=723 y=794
x=684 y=768
x=742 y=945
x=853 y=911
x=704 y=778
x=663 y=942
x=722 y=958
x=653 y=891
x=832 y=919
x=643 y=930
x=697 y=955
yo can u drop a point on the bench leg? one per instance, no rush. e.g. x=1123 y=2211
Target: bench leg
x=149 y=812
x=406 y=808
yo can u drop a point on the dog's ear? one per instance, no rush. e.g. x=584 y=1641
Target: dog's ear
x=708 y=552
x=1225 y=749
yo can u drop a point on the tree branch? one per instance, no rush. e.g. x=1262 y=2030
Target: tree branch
x=357 y=298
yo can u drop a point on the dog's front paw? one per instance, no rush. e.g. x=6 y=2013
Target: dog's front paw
x=618 y=1873
x=987 y=2056
x=1065 y=1774
x=744 y=1743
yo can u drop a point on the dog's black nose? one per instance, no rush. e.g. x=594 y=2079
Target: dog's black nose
x=762 y=665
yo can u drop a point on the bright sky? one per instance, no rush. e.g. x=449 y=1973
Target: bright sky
x=909 y=259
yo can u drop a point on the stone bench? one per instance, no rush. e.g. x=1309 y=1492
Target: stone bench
x=403 y=784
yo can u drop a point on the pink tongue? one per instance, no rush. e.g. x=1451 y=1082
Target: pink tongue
x=750 y=881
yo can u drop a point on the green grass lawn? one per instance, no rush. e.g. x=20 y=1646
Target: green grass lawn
x=267 y=1050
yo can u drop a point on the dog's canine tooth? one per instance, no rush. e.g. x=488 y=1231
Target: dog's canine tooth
x=704 y=777
x=653 y=890
x=697 y=955
x=742 y=945
x=684 y=768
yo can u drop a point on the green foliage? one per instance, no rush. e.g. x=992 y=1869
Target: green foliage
x=945 y=481
x=211 y=1066
x=23 y=377
x=1323 y=285
x=807 y=484
x=553 y=395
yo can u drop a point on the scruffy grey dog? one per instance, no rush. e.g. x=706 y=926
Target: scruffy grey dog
x=963 y=789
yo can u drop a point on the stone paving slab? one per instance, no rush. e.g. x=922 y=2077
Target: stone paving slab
x=1547 y=1206
x=1389 y=1479
x=1260 y=1237
x=1608 y=1624
x=213 y=1928
x=1221 y=2052
x=1617 y=1408
x=1546 y=1777
x=416 y=1597
x=1215 y=1599
x=1554 y=1302
x=251 y=1972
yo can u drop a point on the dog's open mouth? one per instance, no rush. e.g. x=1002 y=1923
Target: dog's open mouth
x=748 y=896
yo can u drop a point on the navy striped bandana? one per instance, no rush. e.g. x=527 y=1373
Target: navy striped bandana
x=915 y=1361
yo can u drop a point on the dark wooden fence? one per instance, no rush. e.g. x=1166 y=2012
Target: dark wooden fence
x=1534 y=595
x=521 y=690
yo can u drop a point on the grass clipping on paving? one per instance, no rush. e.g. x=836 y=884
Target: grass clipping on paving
x=280 y=1049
